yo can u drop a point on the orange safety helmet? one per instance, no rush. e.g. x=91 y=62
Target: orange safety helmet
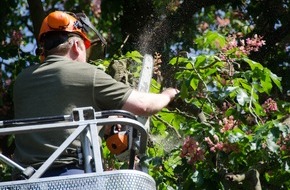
x=62 y=21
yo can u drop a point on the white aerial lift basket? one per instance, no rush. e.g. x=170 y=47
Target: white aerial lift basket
x=115 y=180
x=88 y=126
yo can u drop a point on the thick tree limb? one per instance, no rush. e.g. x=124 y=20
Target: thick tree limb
x=249 y=180
x=37 y=14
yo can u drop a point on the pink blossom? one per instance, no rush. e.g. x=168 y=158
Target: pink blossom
x=208 y=140
x=216 y=138
x=16 y=38
x=219 y=146
x=241 y=47
x=227 y=124
x=96 y=6
x=191 y=150
x=270 y=106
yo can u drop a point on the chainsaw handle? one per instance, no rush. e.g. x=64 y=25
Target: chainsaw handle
x=107 y=113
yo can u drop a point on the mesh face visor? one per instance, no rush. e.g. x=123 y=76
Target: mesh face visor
x=88 y=27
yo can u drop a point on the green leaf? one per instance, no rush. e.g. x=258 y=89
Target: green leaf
x=245 y=85
x=266 y=85
x=253 y=146
x=197 y=178
x=287 y=168
x=169 y=169
x=184 y=90
x=177 y=60
x=189 y=65
x=213 y=38
x=254 y=65
x=276 y=80
x=234 y=138
x=210 y=71
x=194 y=83
x=285 y=129
x=155 y=86
x=242 y=97
x=259 y=110
x=137 y=59
x=133 y=54
x=266 y=82
x=159 y=127
x=227 y=91
x=200 y=60
x=271 y=142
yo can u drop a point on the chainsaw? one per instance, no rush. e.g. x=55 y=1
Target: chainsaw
x=119 y=142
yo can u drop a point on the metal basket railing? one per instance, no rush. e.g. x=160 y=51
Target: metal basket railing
x=87 y=125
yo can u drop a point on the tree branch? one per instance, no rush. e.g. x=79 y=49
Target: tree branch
x=37 y=15
x=249 y=178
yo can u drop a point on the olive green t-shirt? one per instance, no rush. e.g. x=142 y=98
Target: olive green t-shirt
x=55 y=88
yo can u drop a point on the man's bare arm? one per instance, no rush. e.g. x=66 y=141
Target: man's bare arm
x=145 y=104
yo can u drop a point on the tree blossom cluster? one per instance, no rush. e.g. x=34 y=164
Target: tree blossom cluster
x=96 y=7
x=241 y=46
x=217 y=145
x=16 y=38
x=228 y=123
x=284 y=143
x=270 y=105
x=222 y=22
x=157 y=64
x=5 y=104
x=192 y=151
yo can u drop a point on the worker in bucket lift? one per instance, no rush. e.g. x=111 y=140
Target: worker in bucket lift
x=63 y=81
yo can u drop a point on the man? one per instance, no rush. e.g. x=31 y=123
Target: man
x=65 y=81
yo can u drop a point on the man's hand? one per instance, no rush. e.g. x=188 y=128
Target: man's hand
x=171 y=92
x=112 y=129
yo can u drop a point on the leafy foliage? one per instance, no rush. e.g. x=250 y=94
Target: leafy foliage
x=243 y=130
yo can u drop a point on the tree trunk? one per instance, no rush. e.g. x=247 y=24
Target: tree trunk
x=37 y=15
x=248 y=180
